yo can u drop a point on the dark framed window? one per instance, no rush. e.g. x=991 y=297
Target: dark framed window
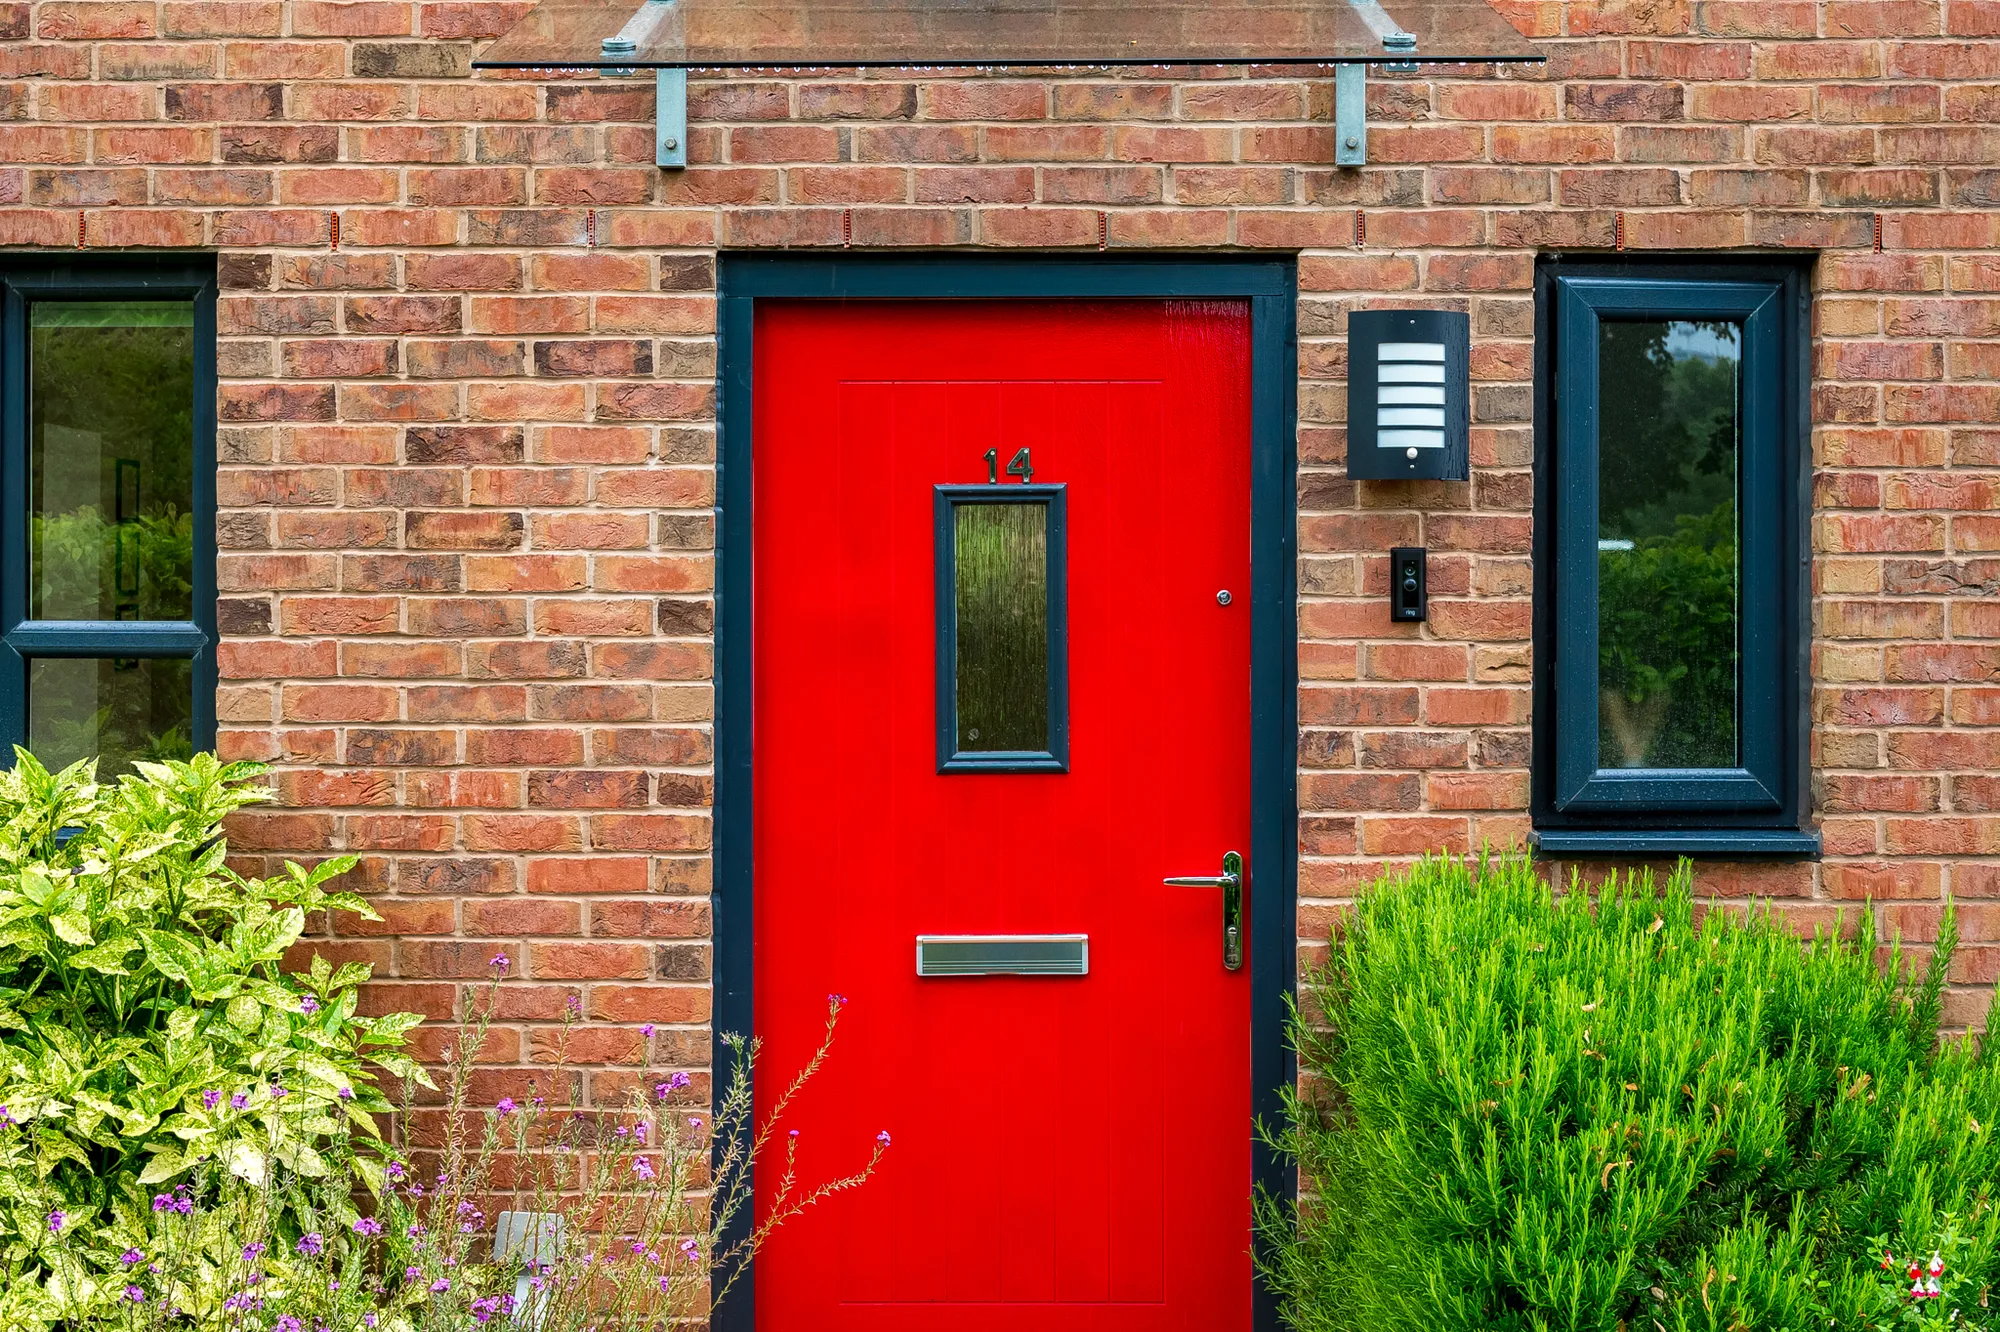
x=107 y=509
x=1671 y=562
x=1002 y=629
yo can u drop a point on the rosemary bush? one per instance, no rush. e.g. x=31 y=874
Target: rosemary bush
x=1522 y=1110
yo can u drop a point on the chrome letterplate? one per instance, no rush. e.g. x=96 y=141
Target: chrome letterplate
x=1003 y=954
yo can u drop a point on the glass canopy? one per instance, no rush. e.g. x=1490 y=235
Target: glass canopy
x=958 y=34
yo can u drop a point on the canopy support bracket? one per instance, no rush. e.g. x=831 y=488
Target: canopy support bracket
x=670 y=131
x=670 y=86
x=1350 y=115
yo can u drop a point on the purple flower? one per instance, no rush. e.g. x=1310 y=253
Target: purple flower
x=287 y=1323
x=210 y=1099
x=395 y=1170
x=441 y=1285
x=369 y=1319
x=6 y=1120
x=308 y=1005
x=278 y=1093
x=252 y=1252
x=135 y=1295
x=131 y=1257
x=642 y=1167
x=883 y=1137
x=56 y=1220
x=345 y=1093
x=646 y=1030
x=837 y=1000
x=506 y=1106
x=690 y=1250
x=163 y=1202
x=500 y=962
x=240 y=1101
x=367 y=1225
x=416 y=1230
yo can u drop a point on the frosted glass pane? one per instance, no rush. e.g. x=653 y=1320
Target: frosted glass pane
x=1002 y=592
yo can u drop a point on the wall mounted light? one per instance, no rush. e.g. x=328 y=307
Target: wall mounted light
x=1408 y=394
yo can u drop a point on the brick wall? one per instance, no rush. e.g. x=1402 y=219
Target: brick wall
x=467 y=451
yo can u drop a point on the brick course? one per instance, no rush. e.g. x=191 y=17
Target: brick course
x=467 y=449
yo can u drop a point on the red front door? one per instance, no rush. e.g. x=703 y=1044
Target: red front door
x=1070 y=1151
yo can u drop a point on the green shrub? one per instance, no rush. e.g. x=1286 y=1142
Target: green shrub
x=148 y=1032
x=1537 y=1112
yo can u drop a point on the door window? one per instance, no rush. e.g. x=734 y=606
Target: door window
x=1001 y=695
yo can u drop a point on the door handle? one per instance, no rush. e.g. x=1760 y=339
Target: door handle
x=1230 y=881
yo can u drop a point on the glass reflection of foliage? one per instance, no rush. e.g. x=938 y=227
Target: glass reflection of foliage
x=111 y=433
x=76 y=558
x=110 y=528
x=119 y=712
x=1667 y=484
x=1000 y=562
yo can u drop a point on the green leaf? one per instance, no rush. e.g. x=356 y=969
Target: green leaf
x=108 y=958
x=175 y=956
x=244 y=1013
x=73 y=927
x=246 y=1162
x=165 y=1165
x=391 y=1027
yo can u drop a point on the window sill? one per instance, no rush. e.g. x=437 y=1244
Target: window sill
x=1713 y=842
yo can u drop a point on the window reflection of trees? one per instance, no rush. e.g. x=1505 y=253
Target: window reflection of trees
x=110 y=528
x=1668 y=394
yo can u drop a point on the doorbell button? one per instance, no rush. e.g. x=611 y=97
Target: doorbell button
x=1222 y=597
x=1408 y=579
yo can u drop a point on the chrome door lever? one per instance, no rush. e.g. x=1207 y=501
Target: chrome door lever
x=1230 y=881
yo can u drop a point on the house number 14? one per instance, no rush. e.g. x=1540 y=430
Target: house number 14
x=1018 y=465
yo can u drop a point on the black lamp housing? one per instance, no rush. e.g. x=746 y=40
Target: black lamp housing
x=1409 y=404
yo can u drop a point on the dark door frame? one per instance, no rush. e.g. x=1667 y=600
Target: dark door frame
x=1270 y=285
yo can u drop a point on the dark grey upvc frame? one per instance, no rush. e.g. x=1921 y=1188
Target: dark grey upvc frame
x=950 y=757
x=23 y=280
x=1757 y=807
x=1270 y=287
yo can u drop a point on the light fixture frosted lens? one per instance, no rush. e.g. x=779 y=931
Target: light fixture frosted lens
x=1410 y=439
